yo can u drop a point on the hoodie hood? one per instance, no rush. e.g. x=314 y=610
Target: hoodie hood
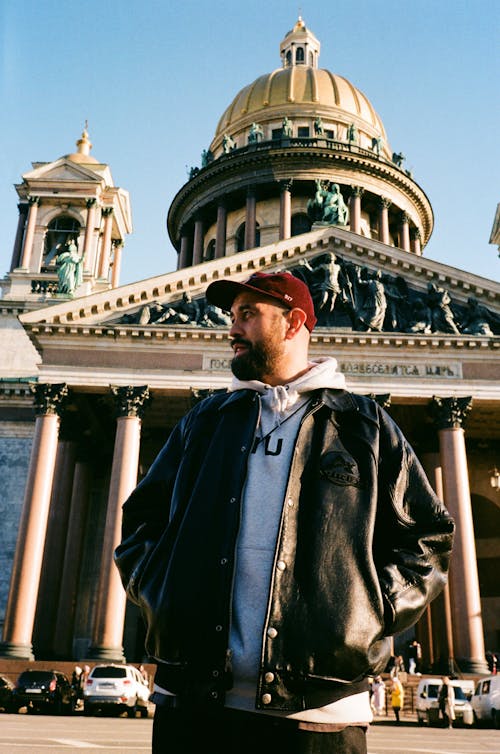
x=322 y=374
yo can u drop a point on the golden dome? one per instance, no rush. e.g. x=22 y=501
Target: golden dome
x=301 y=91
x=84 y=145
x=295 y=90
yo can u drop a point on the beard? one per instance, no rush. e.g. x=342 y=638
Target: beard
x=259 y=360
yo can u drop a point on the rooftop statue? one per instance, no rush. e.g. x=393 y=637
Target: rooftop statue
x=377 y=144
x=206 y=158
x=256 y=133
x=371 y=313
x=286 y=127
x=398 y=158
x=318 y=127
x=228 y=144
x=352 y=133
x=69 y=268
x=478 y=319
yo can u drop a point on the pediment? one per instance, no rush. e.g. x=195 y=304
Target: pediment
x=62 y=170
x=376 y=289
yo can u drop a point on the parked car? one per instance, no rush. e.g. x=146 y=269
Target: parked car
x=486 y=701
x=6 y=689
x=116 y=688
x=44 y=690
x=427 y=702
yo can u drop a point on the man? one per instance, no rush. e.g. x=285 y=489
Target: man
x=283 y=533
x=447 y=702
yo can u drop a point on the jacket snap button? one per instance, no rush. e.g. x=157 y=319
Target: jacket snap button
x=269 y=677
x=281 y=565
x=223 y=561
x=215 y=673
x=214 y=695
x=218 y=628
x=272 y=633
x=232 y=500
x=266 y=698
x=243 y=448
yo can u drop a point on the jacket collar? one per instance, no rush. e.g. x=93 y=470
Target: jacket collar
x=337 y=400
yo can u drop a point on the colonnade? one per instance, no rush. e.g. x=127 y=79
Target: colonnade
x=102 y=252
x=191 y=251
x=462 y=632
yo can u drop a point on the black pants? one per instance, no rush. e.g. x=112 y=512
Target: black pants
x=191 y=731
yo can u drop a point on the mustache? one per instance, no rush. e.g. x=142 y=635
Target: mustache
x=241 y=342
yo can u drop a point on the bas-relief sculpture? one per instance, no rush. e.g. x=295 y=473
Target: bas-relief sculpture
x=348 y=296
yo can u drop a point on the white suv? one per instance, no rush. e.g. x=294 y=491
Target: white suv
x=119 y=688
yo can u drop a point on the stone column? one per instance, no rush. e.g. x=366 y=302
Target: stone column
x=30 y=232
x=220 y=237
x=286 y=209
x=355 y=209
x=55 y=538
x=198 y=241
x=25 y=577
x=21 y=224
x=66 y=607
x=103 y=273
x=117 y=262
x=110 y=613
x=186 y=252
x=251 y=219
x=438 y=613
x=450 y=414
x=88 y=246
x=415 y=241
x=383 y=220
x=404 y=232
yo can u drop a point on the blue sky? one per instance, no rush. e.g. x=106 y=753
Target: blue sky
x=153 y=78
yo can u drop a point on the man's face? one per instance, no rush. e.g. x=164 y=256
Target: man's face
x=257 y=337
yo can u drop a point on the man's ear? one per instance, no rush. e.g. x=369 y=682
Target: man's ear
x=296 y=318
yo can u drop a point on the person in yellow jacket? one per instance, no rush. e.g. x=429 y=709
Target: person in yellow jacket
x=397 y=697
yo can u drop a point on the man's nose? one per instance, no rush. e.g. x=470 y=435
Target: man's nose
x=235 y=329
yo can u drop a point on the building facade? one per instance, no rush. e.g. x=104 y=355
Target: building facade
x=299 y=176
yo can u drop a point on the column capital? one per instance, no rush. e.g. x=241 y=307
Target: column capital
x=357 y=191
x=90 y=202
x=49 y=398
x=415 y=234
x=384 y=203
x=130 y=400
x=383 y=400
x=285 y=184
x=404 y=218
x=117 y=242
x=107 y=211
x=450 y=413
x=33 y=200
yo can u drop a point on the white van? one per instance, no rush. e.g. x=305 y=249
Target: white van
x=427 y=702
x=486 y=701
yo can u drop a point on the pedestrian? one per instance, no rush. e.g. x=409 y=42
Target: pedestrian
x=378 y=695
x=447 y=702
x=414 y=657
x=283 y=534
x=398 y=667
x=397 y=697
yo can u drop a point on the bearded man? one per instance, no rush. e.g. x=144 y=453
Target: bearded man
x=283 y=534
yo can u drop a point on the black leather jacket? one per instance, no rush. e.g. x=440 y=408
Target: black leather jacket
x=364 y=540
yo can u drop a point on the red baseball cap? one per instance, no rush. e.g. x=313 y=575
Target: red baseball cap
x=281 y=286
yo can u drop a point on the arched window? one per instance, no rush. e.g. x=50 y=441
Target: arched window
x=210 y=251
x=289 y=58
x=299 y=55
x=300 y=224
x=58 y=232
x=240 y=237
x=311 y=59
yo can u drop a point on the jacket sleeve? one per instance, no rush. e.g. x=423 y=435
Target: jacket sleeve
x=415 y=532
x=146 y=512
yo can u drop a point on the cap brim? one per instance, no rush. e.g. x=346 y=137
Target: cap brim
x=222 y=293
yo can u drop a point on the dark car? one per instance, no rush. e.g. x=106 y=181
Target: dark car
x=6 y=690
x=44 y=690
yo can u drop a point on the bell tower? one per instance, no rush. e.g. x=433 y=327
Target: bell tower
x=71 y=229
x=300 y=47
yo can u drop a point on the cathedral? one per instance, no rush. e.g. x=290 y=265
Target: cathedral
x=299 y=176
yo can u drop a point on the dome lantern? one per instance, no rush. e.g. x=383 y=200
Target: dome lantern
x=300 y=47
